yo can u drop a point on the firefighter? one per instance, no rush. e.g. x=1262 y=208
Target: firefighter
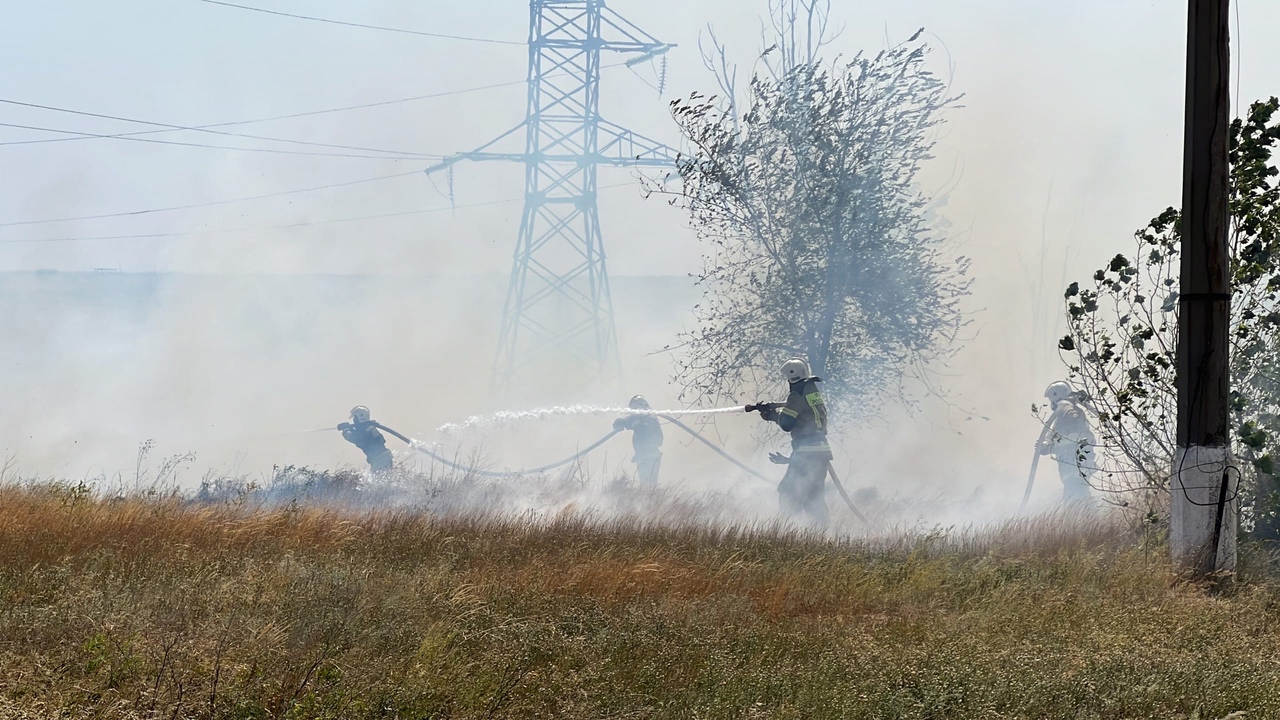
x=362 y=432
x=1069 y=440
x=804 y=415
x=646 y=440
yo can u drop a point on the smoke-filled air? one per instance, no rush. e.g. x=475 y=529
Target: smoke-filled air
x=598 y=358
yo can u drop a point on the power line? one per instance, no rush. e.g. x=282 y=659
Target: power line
x=361 y=25
x=169 y=126
x=291 y=116
x=211 y=203
x=154 y=141
x=283 y=226
x=226 y=231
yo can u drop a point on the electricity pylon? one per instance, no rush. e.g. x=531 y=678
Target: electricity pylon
x=558 y=298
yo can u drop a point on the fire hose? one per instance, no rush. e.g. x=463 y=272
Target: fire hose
x=1035 y=465
x=1035 y=459
x=716 y=448
x=831 y=471
x=492 y=473
x=835 y=479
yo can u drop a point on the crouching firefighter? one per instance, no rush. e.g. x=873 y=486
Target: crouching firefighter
x=646 y=441
x=362 y=432
x=804 y=415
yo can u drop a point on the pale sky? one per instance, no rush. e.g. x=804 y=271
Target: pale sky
x=1071 y=107
x=1069 y=139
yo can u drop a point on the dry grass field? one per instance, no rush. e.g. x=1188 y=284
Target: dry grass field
x=156 y=607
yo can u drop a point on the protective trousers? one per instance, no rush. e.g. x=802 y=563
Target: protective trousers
x=803 y=490
x=1075 y=467
x=647 y=466
x=381 y=460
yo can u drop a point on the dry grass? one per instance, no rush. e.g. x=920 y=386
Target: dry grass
x=143 y=608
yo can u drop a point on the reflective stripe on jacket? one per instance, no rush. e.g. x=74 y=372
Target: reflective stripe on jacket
x=805 y=416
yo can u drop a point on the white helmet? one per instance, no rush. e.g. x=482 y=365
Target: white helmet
x=796 y=369
x=360 y=414
x=1057 y=392
x=638 y=403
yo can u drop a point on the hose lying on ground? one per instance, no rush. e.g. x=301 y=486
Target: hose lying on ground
x=494 y=473
x=835 y=479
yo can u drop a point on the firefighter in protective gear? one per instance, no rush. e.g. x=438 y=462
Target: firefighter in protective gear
x=804 y=416
x=1070 y=441
x=646 y=441
x=362 y=432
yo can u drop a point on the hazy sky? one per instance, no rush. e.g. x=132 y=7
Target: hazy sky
x=1072 y=117
x=1069 y=139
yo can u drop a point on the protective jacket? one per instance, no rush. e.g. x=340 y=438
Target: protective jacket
x=646 y=439
x=646 y=432
x=365 y=436
x=1071 y=442
x=804 y=415
x=1069 y=429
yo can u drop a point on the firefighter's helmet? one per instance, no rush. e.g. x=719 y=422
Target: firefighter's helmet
x=1057 y=392
x=796 y=369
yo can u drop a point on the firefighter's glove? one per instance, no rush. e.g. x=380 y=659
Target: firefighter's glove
x=345 y=426
x=619 y=425
x=779 y=459
x=769 y=414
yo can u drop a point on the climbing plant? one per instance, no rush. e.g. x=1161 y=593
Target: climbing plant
x=1122 y=325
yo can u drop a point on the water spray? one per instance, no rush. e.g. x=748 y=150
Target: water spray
x=308 y=432
x=508 y=417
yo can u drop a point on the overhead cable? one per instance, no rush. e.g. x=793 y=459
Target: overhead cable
x=273 y=118
x=178 y=143
x=170 y=126
x=211 y=203
x=260 y=228
x=289 y=116
x=282 y=226
x=405 y=31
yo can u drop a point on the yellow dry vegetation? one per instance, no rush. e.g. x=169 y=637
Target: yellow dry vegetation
x=156 y=607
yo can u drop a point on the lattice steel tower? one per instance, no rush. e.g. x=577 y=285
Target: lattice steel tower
x=558 y=298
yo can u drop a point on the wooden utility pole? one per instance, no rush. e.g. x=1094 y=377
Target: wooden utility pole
x=1204 y=509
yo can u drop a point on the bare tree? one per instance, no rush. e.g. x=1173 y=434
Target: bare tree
x=800 y=29
x=715 y=58
x=796 y=33
x=817 y=232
